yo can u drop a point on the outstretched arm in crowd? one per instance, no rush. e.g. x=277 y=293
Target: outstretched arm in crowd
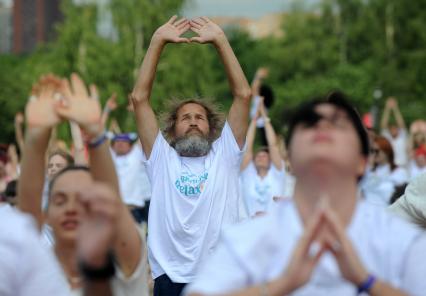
x=392 y=106
x=261 y=74
x=209 y=32
x=41 y=118
x=85 y=110
x=111 y=105
x=147 y=124
x=78 y=144
x=271 y=138
x=398 y=116
x=19 y=134
x=248 y=154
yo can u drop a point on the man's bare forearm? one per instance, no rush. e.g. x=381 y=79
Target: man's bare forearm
x=145 y=81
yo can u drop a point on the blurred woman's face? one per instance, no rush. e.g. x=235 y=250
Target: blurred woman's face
x=64 y=210
x=55 y=164
x=380 y=157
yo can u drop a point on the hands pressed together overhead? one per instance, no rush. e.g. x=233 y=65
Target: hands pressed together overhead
x=54 y=100
x=207 y=31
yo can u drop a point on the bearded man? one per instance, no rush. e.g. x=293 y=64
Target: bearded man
x=194 y=167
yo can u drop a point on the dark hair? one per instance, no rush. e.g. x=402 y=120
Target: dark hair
x=386 y=147
x=305 y=113
x=70 y=168
x=65 y=155
x=267 y=93
x=215 y=118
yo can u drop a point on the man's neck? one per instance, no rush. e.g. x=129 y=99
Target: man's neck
x=339 y=191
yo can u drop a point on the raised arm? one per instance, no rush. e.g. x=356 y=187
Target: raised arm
x=77 y=140
x=19 y=135
x=79 y=107
x=238 y=115
x=145 y=118
x=384 y=123
x=398 y=116
x=271 y=138
x=111 y=105
x=248 y=154
x=41 y=118
x=261 y=74
x=12 y=166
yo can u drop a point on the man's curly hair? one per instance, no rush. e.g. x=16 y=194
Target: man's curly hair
x=214 y=116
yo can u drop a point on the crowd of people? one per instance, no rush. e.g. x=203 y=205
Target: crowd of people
x=204 y=203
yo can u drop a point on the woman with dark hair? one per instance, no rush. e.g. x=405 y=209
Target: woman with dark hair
x=384 y=175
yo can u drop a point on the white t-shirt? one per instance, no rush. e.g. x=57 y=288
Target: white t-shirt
x=415 y=170
x=379 y=185
x=399 y=146
x=134 y=184
x=25 y=265
x=259 y=250
x=134 y=285
x=258 y=192
x=193 y=198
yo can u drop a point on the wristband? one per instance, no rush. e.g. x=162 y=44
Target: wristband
x=98 y=274
x=366 y=285
x=96 y=142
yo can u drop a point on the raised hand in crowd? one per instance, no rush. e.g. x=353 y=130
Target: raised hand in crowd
x=207 y=31
x=172 y=31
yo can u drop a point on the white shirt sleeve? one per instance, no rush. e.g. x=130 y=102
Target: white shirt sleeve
x=228 y=146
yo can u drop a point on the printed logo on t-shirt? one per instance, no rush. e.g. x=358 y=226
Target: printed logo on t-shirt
x=190 y=184
x=262 y=192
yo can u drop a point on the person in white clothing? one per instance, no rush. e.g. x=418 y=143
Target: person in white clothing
x=326 y=241
x=396 y=134
x=194 y=166
x=25 y=265
x=384 y=176
x=79 y=197
x=262 y=173
x=418 y=163
x=411 y=206
x=134 y=183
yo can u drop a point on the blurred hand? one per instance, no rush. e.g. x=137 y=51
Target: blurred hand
x=172 y=30
x=303 y=262
x=79 y=107
x=111 y=103
x=207 y=31
x=19 y=118
x=392 y=102
x=97 y=228
x=40 y=109
x=262 y=73
x=340 y=246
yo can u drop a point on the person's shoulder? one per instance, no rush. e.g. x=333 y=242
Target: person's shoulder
x=14 y=221
x=387 y=224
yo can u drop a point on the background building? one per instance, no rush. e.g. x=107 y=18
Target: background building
x=33 y=23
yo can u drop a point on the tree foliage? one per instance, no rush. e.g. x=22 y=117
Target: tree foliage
x=353 y=45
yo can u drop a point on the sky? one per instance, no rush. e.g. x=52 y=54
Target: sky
x=248 y=8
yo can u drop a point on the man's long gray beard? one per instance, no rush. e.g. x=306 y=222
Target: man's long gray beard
x=192 y=146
